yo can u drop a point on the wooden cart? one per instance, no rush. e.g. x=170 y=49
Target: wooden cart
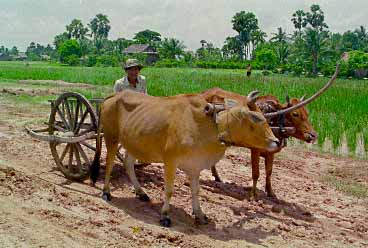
x=72 y=133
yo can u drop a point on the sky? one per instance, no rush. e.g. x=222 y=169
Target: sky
x=23 y=21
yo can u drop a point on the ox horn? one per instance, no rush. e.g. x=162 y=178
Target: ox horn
x=213 y=108
x=287 y=98
x=309 y=100
x=252 y=96
x=302 y=98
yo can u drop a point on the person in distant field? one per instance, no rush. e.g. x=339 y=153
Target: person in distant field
x=249 y=70
x=132 y=81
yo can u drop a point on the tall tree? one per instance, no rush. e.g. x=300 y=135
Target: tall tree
x=299 y=20
x=315 y=35
x=171 y=48
x=257 y=37
x=14 y=51
x=280 y=45
x=147 y=37
x=232 y=48
x=60 y=39
x=315 y=45
x=76 y=30
x=280 y=36
x=245 y=24
x=100 y=28
x=316 y=18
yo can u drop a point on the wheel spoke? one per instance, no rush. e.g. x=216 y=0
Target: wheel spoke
x=84 y=155
x=62 y=117
x=76 y=115
x=88 y=145
x=85 y=131
x=81 y=121
x=66 y=149
x=71 y=156
x=77 y=156
x=69 y=115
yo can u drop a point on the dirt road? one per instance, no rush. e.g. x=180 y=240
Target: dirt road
x=40 y=208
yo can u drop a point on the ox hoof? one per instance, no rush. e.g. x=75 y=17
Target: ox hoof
x=165 y=221
x=143 y=197
x=106 y=196
x=271 y=195
x=217 y=179
x=202 y=221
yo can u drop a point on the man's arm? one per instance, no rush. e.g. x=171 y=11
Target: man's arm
x=119 y=85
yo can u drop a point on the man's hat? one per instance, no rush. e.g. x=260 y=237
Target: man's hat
x=132 y=63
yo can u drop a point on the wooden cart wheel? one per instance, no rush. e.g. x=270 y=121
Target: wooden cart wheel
x=71 y=116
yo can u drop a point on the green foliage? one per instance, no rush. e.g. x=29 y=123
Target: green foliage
x=72 y=60
x=170 y=63
x=34 y=51
x=246 y=24
x=266 y=58
x=102 y=61
x=69 y=51
x=76 y=30
x=209 y=53
x=171 y=48
x=147 y=37
x=100 y=27
x=358 y=60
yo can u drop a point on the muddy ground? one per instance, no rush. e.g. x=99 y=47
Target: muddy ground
x=39 y=207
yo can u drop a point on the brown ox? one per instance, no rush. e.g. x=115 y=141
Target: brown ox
x=179 y=132
x=289 y=119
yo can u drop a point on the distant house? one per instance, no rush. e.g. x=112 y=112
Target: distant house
x=20 y=57
x=45 y=57
x=151 y=52
x=4 y=57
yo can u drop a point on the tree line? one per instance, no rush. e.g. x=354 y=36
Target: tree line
x=310 y=49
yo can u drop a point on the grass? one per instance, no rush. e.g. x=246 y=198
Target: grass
x=343 y=109
x=347 y=186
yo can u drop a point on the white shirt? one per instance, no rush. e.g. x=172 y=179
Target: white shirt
x=123 y=84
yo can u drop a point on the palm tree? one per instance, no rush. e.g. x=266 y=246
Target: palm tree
x=171 y=48
x=77 y=30
x=299 y=20
x=257 y=37
x=280 y=36
x=315 y=46
x=100 y=27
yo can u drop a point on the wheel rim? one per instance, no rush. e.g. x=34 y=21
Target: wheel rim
x=73 y=115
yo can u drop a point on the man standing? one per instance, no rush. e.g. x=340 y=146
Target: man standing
x=249 y=70
x=132 y=81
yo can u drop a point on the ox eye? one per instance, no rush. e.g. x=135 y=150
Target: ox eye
x=295 y=114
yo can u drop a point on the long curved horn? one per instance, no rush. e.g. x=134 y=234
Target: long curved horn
x=252 y=96
x=309 y=100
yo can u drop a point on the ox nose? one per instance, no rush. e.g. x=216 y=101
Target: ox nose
x=274 y=144
x=311 y=136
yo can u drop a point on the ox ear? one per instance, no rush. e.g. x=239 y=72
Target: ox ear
x=252 y=115
x=230 y=103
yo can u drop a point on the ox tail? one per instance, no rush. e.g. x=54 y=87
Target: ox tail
x=95 y=167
